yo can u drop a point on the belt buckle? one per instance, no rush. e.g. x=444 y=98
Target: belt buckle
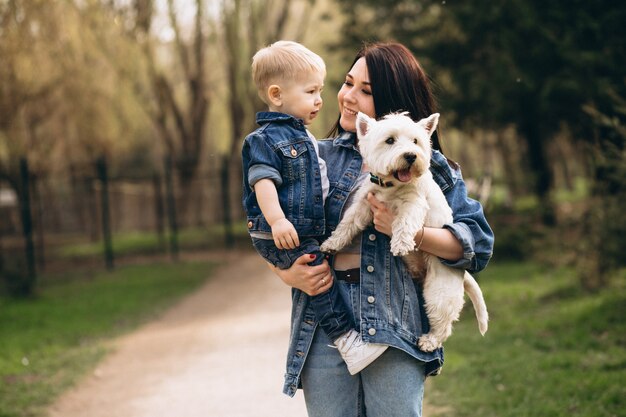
x=351 y=276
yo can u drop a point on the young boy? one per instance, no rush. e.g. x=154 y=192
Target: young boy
x=285 y=182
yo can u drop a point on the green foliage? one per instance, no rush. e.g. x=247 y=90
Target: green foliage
x=50 y=340
x=496 y=60
x=551 y=349
x=511 y=243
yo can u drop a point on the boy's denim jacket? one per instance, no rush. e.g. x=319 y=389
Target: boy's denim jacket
x=391 y=303
x=282 y=151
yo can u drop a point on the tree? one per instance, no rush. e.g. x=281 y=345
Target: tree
x=604 y=233
x=59 y=101
x=25 y=35
x=177 y=97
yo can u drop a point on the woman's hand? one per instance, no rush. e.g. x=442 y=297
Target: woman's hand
x=436 y=241
x=312 y=280
x=383 y=217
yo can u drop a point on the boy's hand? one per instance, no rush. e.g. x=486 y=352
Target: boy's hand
x=285 y=235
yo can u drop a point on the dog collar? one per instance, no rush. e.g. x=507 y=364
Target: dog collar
x=379 y=181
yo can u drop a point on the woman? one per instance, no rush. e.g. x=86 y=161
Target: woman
x=386 y=302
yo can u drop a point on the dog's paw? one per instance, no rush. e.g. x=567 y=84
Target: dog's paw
x=428 y=343
x=328 y=247
x=400 y=248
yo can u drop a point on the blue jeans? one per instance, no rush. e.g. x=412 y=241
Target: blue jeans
x=392 y=386
x=330 y=310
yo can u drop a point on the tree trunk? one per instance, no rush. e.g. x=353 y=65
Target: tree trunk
x=27 y=284
x=538 y=163
x=229 y=235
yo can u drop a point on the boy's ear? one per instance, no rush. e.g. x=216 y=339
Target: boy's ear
x=363 y=122
x=430 y=123
x=274 y=95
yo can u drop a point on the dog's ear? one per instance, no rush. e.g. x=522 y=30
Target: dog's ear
x=430 y=123
x=363 y=122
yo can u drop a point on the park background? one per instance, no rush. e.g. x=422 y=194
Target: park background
x=121 y=123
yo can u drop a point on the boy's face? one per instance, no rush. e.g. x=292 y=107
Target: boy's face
x=302 y=98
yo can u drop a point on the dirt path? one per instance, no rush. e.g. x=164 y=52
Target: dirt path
x=218 y=353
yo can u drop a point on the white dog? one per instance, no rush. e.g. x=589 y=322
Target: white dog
x=397 y=152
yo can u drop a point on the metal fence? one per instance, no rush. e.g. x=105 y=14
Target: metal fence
x=87 y=205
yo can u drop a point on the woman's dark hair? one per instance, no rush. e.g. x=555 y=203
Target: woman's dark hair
x=398 y=84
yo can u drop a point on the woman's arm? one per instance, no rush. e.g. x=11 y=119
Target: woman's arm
x=439 y=242
x=312 y=280
x=467 y=243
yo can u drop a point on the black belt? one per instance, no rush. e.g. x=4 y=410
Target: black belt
x=351 y=276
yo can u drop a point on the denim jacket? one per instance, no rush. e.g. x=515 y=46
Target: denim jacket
x=391 y=302
x=281 y=150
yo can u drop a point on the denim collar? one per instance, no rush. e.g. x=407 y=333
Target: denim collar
x=346 y=140
x=263 y=117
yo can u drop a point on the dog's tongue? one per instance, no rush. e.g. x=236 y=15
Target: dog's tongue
x=404 y=175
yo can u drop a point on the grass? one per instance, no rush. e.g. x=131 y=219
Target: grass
x=48 y=341
x=551 y=349
x=146 y=243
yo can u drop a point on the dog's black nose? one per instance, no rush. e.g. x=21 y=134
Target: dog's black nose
x=410 y=157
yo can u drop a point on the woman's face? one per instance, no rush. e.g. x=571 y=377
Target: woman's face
x=355 y=96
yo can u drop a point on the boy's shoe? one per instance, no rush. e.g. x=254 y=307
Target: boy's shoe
x=356 y=353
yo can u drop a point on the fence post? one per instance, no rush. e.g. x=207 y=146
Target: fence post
x=101 y=168
x=229 y=236
x=1 y=243
x=27 y=227
x=159 y=210
x=171 y=208
x=39 y=223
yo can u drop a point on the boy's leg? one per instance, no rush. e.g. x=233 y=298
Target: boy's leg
x=332 y=313
x=268 y=251
x=333 y=316
x=330 y=309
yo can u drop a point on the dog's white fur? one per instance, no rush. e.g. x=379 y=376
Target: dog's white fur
x=398 y=150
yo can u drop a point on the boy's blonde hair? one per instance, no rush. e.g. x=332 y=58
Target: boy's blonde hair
x=283 y=61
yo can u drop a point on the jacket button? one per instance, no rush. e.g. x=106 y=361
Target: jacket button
x=370 y=268
x=371 y=299
x=249 y=225
x=372 y=237
x=372 y=331
x=294 y=152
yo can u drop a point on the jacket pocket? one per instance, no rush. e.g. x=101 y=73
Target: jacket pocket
x=296 y=172
x=293 y=150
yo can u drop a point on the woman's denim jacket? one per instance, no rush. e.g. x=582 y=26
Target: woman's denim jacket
x=391 y=304
x=281 y=150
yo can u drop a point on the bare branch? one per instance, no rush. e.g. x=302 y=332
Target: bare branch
x=180 y=46
x=282 y=21
x=305 y=19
